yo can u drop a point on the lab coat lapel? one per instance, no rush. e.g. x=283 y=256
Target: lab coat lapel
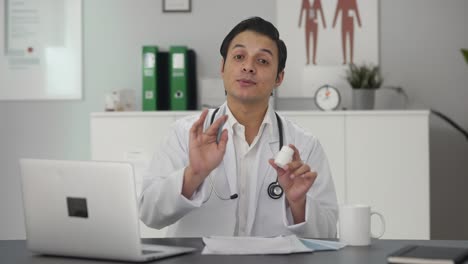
x=230 y=163
x=266 y=151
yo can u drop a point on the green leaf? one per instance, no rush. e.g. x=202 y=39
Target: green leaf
x=364 y=76
x=465 y=53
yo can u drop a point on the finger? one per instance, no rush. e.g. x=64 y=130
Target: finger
x=201 y=121
x=223 y=141
x=284 y=179
x=294 y=165
x=193 y=131
x=197 y=127
x=276 y=167
x=310 y=177
x=214 y=128
x=272 y=163
x=301 y=170
x=296 y=155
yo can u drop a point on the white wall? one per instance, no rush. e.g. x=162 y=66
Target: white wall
x=114 y=31
x=420 y=42
x=420 y=50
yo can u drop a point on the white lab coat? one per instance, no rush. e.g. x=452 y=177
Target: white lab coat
x=161 y=203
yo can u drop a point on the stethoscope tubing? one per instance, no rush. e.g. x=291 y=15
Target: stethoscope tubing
x=274 y=190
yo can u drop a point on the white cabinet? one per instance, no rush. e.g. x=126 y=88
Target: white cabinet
x=380 y=158
x=133 y=137
x=329 y=129
x=387 y=166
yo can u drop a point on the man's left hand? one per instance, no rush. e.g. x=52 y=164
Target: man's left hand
x=295 y=178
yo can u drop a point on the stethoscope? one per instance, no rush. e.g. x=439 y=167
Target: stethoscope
x=275 y=191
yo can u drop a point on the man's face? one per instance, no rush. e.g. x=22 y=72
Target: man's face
x=250 y=70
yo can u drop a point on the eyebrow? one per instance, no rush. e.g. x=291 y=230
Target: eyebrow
x=264 y=50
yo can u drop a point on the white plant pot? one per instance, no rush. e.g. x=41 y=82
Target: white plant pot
x=363 y=99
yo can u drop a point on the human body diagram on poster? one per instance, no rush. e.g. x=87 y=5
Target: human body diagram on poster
x=312 y=9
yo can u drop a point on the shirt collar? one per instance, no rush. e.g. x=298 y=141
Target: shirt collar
x=267 y=120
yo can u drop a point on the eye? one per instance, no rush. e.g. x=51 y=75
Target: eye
x=238 y=57
x=262 y=61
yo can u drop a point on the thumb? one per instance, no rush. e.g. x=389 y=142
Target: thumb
x=278 y=169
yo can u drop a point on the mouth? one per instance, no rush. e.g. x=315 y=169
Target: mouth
x=246 y=82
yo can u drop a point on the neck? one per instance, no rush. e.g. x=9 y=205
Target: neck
x=250 y=116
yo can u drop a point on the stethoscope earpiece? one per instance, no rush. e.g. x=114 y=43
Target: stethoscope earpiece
x=275 y=191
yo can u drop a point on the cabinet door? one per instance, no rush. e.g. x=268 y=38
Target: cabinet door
x=387 y=160
x=329 y=129
x=117 y=137
x=133 y=139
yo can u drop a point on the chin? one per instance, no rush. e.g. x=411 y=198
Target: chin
x=248 y=99
x=244 y=95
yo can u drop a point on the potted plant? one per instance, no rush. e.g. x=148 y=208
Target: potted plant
x=364 y=79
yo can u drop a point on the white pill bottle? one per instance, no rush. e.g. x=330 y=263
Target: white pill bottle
x=284 y=156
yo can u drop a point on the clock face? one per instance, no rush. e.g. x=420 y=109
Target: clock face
x=327 y=98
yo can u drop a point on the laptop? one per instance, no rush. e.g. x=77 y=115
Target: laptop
x=85 y=209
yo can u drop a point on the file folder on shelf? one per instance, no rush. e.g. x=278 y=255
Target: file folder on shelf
x=155 y=79
x=178 y=81
x=150 y=78
x=162 y=93
x=192 y=94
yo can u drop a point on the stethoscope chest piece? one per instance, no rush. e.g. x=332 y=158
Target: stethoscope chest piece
x=275 y=191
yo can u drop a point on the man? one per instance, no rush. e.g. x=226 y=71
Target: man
x=235 y=163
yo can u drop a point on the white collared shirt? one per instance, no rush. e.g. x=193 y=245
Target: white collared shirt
x=247 y=158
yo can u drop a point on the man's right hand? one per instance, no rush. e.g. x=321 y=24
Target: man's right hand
x=205 y=154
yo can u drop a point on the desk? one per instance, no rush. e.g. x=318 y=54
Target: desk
x=14 y=251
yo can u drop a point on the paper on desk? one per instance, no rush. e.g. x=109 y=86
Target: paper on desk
x=217 y=245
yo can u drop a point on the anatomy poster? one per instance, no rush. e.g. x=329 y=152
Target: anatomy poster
x=323 y=37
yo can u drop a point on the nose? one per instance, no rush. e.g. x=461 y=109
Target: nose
x=248 y=67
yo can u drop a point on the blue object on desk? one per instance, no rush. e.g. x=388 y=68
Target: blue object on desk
x=322 y=245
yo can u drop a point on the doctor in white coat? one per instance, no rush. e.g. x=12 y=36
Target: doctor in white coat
x=204 y=182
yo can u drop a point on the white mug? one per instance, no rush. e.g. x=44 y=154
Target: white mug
x=355 y=225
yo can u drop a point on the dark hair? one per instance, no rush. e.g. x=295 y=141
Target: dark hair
x=261 y=26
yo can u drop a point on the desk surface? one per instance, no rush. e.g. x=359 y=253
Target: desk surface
x=14 y=251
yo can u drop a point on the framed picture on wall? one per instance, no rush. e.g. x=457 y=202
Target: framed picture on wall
x=177 y=5
x=41 y=55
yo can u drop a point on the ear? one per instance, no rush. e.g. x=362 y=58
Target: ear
x=279 y=78
x=222 y=66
